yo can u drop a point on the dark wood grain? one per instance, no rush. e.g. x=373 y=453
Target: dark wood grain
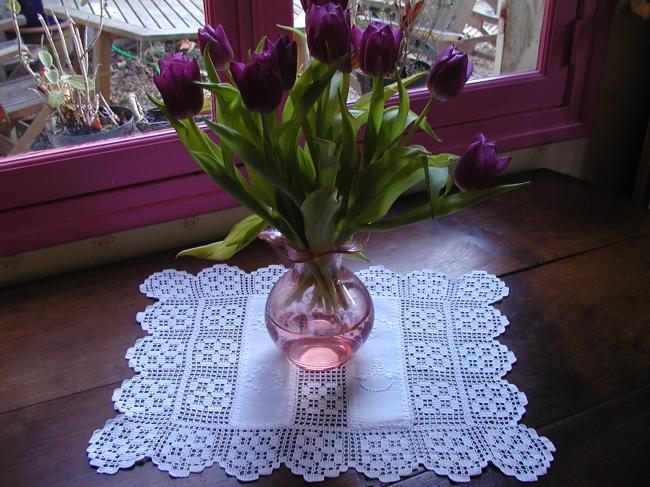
x=577 y=262
x=86 y=320
x=48 y=448
x=580 y=329
x=602 y=447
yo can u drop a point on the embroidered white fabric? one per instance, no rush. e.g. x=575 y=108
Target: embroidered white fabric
x=426 y=389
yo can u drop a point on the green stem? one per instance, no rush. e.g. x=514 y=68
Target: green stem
x=405 y=140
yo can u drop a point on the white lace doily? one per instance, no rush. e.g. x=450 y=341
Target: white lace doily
x=426 y=388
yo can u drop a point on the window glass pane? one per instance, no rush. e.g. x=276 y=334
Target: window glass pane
x=497 y=45
x=78 y=72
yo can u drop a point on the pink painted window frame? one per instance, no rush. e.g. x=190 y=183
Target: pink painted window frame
x=79 y=192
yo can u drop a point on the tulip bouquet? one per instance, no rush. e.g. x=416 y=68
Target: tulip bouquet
x=298 y=156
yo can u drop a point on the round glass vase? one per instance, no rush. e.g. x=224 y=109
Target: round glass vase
x=318 y=313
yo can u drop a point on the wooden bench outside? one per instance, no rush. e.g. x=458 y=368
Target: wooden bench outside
x=19 y=100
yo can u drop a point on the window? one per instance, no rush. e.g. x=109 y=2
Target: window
x=76 y=192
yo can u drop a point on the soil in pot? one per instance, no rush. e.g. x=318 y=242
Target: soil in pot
x=63 y=136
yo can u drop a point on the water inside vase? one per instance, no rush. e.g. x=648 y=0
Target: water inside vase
x=319 y=340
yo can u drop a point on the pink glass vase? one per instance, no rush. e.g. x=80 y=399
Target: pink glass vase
x=318 y=313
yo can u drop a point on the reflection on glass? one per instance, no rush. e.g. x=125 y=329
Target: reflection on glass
x=67 y=78
x=497 y=44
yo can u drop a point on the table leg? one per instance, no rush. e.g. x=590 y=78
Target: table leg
x=102 y=55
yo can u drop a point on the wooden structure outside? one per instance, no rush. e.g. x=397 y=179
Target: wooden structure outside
x=18 y=99
x=464 y=23
x=140 y=20
x=575 y=259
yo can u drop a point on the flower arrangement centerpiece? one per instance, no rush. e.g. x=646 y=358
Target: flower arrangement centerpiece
x=319 y=174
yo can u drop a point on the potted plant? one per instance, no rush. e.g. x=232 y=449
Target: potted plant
x=66 y=80
x=315 y=186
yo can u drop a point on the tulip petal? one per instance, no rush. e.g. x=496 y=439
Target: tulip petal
x=503 y=163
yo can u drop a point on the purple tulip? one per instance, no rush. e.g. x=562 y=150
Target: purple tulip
x=308 y=3
x=479 y=164
x=219 y=48
x=259 y=82
x=377 y=48
x=286 y=55
x=176 y=83
x=328 y=32
x=449 y=74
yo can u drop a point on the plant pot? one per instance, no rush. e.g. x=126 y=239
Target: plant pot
x=318 y=313
x=62 y=140
x=154 y=119
x=365 y=81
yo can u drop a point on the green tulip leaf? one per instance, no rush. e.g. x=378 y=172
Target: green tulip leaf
x=209 y=66
x=390 y=90
x=424 y=126
x=251 y=155
x=327 y=163
x=318 y=211
x=436 y=179
x=301 y=35
x=310 y=87
x=447 y=206
x=394 y=122
x=349 y=151
x=442 y=160
x=306 y=166
x=260 y=45
x=360 y=256
x=375 y=116
x=241 y=235
x=380 y=184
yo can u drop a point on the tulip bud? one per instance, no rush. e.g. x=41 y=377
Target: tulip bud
x=219 y=49
x=259 y=82
x=176 y=83
x=449 y=74
x=479 y=165
x=286 y=55
x=377 y=48
x=328 y=32
x=308 y=3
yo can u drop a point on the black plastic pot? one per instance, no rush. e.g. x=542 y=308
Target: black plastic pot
x=62 y=140
x=365 y=81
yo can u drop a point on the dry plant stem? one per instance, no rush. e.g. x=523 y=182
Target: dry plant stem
x=62 y=37
x=82 y=56
x=109 y=112
x=99 y=29
x=50 y=41
x=19 y=38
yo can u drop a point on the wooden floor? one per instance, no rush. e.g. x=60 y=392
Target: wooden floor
x=577 y=262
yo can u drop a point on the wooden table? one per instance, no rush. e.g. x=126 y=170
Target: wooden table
x=141 y=20
x=577 y=262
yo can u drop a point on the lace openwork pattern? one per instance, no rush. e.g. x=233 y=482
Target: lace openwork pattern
x=426 y=389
